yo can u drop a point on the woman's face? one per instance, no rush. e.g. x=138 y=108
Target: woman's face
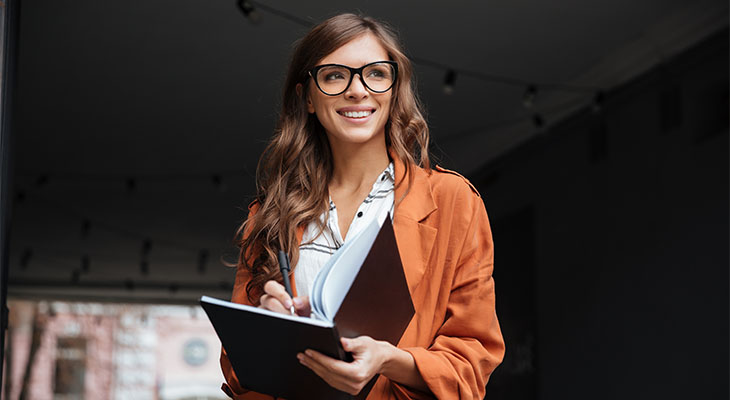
x=358 y=115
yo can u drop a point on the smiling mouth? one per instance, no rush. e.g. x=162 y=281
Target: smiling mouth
x=356 y=114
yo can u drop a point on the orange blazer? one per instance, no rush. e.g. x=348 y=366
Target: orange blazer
x=445 y=243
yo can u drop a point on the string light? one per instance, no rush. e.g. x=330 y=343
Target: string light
x=202 y=261
x=146 y=247
x=25 y=258
x=449 y=81
x=85 y=228
x=42 y=180
x=75 y=276
x=87 y=223
x=144 y=265
x=528 y=99
x=217 y=178
x=247 y=8
x=538 y=121
x=85 y=264
x=529 y=96
x=249 y=11
x=597 y=104
x=218 y=183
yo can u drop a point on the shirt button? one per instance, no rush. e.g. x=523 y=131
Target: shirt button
x=359 y=214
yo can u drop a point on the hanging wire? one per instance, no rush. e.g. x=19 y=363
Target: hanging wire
x=517 y=119
x=217 y=179
x=484 y=76
x=102 y=225
x=277 y=12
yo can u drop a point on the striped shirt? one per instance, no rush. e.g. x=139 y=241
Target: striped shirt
x=317 y=247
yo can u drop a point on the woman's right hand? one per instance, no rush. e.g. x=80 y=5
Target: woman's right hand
x=275 y=298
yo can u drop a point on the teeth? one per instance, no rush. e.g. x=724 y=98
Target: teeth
x=356 y=114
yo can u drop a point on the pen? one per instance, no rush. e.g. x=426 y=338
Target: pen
x=284 y=268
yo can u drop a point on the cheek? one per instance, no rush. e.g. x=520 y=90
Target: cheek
x=315 y=102
x=386 y=108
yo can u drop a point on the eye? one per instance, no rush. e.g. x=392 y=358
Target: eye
x=332 y=76
x=379 y=72
x=376 y=74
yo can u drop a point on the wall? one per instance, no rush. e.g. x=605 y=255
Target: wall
x=611 y=243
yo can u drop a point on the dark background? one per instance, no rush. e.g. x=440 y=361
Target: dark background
x=137 y=127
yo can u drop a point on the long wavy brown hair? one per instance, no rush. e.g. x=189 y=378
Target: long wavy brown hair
x=296 y=167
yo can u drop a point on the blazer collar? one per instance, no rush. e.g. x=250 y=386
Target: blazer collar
x=414 y=202
x=413 y=199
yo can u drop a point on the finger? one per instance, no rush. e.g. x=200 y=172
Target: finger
x=272 y=304
x=337 y=367
x=350 y=345
x=357 y=344
x=367 y=354
x=333 y=379
x=277 y=291
x=302 y=306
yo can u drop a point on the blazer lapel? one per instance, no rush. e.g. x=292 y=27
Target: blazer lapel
x=415 y=239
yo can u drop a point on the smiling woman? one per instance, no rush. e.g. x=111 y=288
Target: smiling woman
x=351 y=147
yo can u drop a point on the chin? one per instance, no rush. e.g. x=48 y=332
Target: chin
x=358 y=137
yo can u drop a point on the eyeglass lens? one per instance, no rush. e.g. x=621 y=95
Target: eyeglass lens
x=378 y=77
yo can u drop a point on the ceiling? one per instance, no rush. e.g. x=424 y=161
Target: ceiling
x=142 y=122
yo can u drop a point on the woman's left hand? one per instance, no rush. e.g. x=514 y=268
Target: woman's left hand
x=369 y=356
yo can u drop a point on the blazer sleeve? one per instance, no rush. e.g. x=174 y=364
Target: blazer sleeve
x=468 y=345
x=232 y=387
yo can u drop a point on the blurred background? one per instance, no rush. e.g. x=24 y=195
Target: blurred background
x=596 y=133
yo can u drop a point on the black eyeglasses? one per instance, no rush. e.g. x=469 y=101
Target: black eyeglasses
x=334 y=79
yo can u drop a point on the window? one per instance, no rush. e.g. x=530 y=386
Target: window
x=70 y=368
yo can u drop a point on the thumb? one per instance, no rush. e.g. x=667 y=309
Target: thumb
x=352 y=344
x=302 y=305
x=347 y=344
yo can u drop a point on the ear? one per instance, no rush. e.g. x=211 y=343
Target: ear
x=310 y=106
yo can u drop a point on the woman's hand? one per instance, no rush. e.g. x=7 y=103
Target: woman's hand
x=275 y=298
x=369 y=357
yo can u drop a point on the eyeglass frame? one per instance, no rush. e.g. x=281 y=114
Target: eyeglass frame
x=313 y=74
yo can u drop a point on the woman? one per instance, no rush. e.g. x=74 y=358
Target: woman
x=350 y=147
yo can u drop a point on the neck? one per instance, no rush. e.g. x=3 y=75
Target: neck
x=358 y=165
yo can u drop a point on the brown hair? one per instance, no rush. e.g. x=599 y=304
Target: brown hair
x=296 y=166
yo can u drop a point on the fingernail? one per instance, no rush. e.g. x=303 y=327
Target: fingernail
x=297 y=302
x=287 y=303
x=308 y=352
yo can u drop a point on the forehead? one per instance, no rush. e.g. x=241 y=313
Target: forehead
x=362 y=50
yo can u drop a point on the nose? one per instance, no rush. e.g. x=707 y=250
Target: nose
x=357 y=89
